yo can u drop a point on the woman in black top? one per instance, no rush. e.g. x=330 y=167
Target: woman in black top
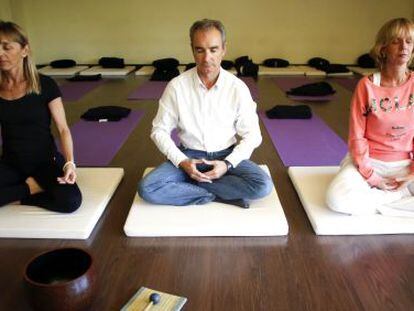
x=32 y=171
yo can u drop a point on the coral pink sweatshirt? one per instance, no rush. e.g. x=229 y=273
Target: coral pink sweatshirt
x=381 y=125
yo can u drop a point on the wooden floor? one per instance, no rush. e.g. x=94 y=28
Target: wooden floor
x=299 y=272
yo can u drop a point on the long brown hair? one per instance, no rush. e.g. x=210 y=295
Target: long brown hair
x=15 y=33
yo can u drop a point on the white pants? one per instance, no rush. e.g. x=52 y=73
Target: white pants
x=349 y=192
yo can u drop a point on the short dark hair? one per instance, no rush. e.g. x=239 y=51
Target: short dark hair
x=206 y=24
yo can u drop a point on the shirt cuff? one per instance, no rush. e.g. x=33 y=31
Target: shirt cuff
x=178 y=158
x=233 y=159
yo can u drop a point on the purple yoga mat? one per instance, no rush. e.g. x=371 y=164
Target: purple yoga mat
x=148 y=90
x=286 y=83
x=307 y=142
x=72 y=91
x=96 y=143
x=348 y=83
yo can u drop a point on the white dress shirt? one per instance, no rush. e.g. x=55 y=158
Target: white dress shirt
x=207 y=120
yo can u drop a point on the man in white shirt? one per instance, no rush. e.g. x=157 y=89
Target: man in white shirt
x=208 y=106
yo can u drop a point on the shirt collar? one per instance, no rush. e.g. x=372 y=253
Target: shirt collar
x=199 y=83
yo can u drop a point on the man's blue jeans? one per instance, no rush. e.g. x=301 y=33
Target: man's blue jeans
x=172 y=186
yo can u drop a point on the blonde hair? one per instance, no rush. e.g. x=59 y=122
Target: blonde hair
x=15 y=33
x=391 y=30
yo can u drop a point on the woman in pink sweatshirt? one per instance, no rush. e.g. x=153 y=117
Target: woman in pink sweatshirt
x=378 y=172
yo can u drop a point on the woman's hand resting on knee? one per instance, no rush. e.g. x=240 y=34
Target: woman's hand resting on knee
x=69 y=176
x=388 y=184
x=406 y=180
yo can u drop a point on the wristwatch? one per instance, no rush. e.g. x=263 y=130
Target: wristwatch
x=229 y=165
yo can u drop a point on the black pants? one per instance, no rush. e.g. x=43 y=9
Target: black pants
x=63 y=198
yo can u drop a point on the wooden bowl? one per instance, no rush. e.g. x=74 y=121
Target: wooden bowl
x=61 y=279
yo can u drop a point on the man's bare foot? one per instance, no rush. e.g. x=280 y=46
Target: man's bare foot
x=34 y=187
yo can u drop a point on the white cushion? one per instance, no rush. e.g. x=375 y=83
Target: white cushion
x=149 y=70
x=50 y=71
x=233 y=71
x=363 y=71
x=286 y=71
x=107 y=72
x=181 y=68
x=97 y=186
x=340 y=74
x=310 y=71
x=145 y=71
x=265 y=217
x=311 y=184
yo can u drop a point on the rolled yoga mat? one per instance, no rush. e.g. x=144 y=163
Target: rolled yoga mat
x=72 y=91
x=96 y=143
x=154 y=89
x=307 y=142
x=287 y=83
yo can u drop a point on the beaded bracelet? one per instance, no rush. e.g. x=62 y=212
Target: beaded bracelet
x=67 y=163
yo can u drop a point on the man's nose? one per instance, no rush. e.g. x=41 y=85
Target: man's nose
x=206 y=55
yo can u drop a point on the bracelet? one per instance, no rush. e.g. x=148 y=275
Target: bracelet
x=67 y=163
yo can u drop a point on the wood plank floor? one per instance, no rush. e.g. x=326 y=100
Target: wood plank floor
x=299 y=272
